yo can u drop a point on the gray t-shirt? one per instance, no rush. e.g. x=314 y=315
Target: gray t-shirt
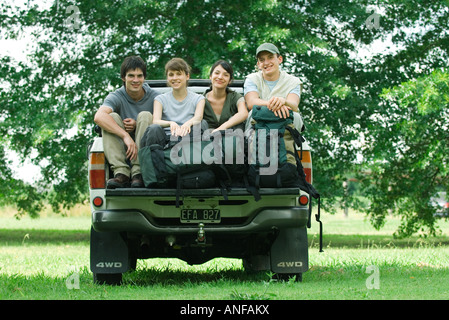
x=178 y=111
x=120 y=102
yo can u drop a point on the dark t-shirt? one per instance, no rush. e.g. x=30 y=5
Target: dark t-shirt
x=229 y=109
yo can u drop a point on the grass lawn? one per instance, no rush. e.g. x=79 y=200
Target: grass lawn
x=48 y=258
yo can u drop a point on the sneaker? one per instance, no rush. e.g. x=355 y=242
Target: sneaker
x=137 y=181
x=119 y=181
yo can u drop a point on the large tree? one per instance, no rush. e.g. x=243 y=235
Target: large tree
x=79 y=46
x=409 y=159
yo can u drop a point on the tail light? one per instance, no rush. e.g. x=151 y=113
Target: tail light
x=303 y=200
x=98 y=201
x=307 y=164
x=97 y=173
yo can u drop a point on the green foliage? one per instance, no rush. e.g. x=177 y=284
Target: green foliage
x=48 y=101
x=410 y=153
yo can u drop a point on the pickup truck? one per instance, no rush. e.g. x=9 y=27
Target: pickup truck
x=142 y=223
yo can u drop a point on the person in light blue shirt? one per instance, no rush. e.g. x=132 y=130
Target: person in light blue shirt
x=176 y=111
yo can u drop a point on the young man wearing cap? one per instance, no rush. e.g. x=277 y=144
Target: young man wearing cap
x=270 y=86
x=274 y=88
x=123 y=117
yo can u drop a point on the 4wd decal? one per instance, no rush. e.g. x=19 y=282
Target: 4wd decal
x=289 y=264
x=109 y=265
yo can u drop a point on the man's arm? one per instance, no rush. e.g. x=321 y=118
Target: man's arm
x=252 y=99
x=106 y=122
x=292 y=101
x=280 y=106
x=277 y=104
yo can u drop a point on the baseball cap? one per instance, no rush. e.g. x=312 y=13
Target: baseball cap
x=267 y=47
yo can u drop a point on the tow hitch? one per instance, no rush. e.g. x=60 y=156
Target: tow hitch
x=201 y=237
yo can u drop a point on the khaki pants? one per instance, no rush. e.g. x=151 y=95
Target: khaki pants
x=114 y=148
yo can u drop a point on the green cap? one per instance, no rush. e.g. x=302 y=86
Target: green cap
x=267 y=47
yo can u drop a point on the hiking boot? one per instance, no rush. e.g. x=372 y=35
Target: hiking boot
x=119 y=181
x=137 y=181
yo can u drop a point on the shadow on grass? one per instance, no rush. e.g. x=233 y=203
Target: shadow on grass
x=375 y=241
x=396 y=283
x=316 y=275
x=14 y=237
x=167 y=277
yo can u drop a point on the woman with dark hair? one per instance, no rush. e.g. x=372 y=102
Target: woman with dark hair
x=224 y=108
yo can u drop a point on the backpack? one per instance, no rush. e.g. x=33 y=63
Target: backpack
x=234 y=157
x=274 y=160
x=277 y=138
x=180 y=164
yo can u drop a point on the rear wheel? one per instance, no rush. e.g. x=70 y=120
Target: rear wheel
x=288 y=277
x=113 y=279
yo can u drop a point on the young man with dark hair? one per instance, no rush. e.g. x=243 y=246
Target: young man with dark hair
x=132 y=63
x=123 y=117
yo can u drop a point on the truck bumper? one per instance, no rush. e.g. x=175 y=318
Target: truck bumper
x=137 y=222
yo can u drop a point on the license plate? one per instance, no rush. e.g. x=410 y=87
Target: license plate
x=200 y=215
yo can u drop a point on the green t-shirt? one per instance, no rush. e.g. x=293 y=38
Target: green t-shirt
x=229 y=109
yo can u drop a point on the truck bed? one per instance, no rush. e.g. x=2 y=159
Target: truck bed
x=210 y=192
